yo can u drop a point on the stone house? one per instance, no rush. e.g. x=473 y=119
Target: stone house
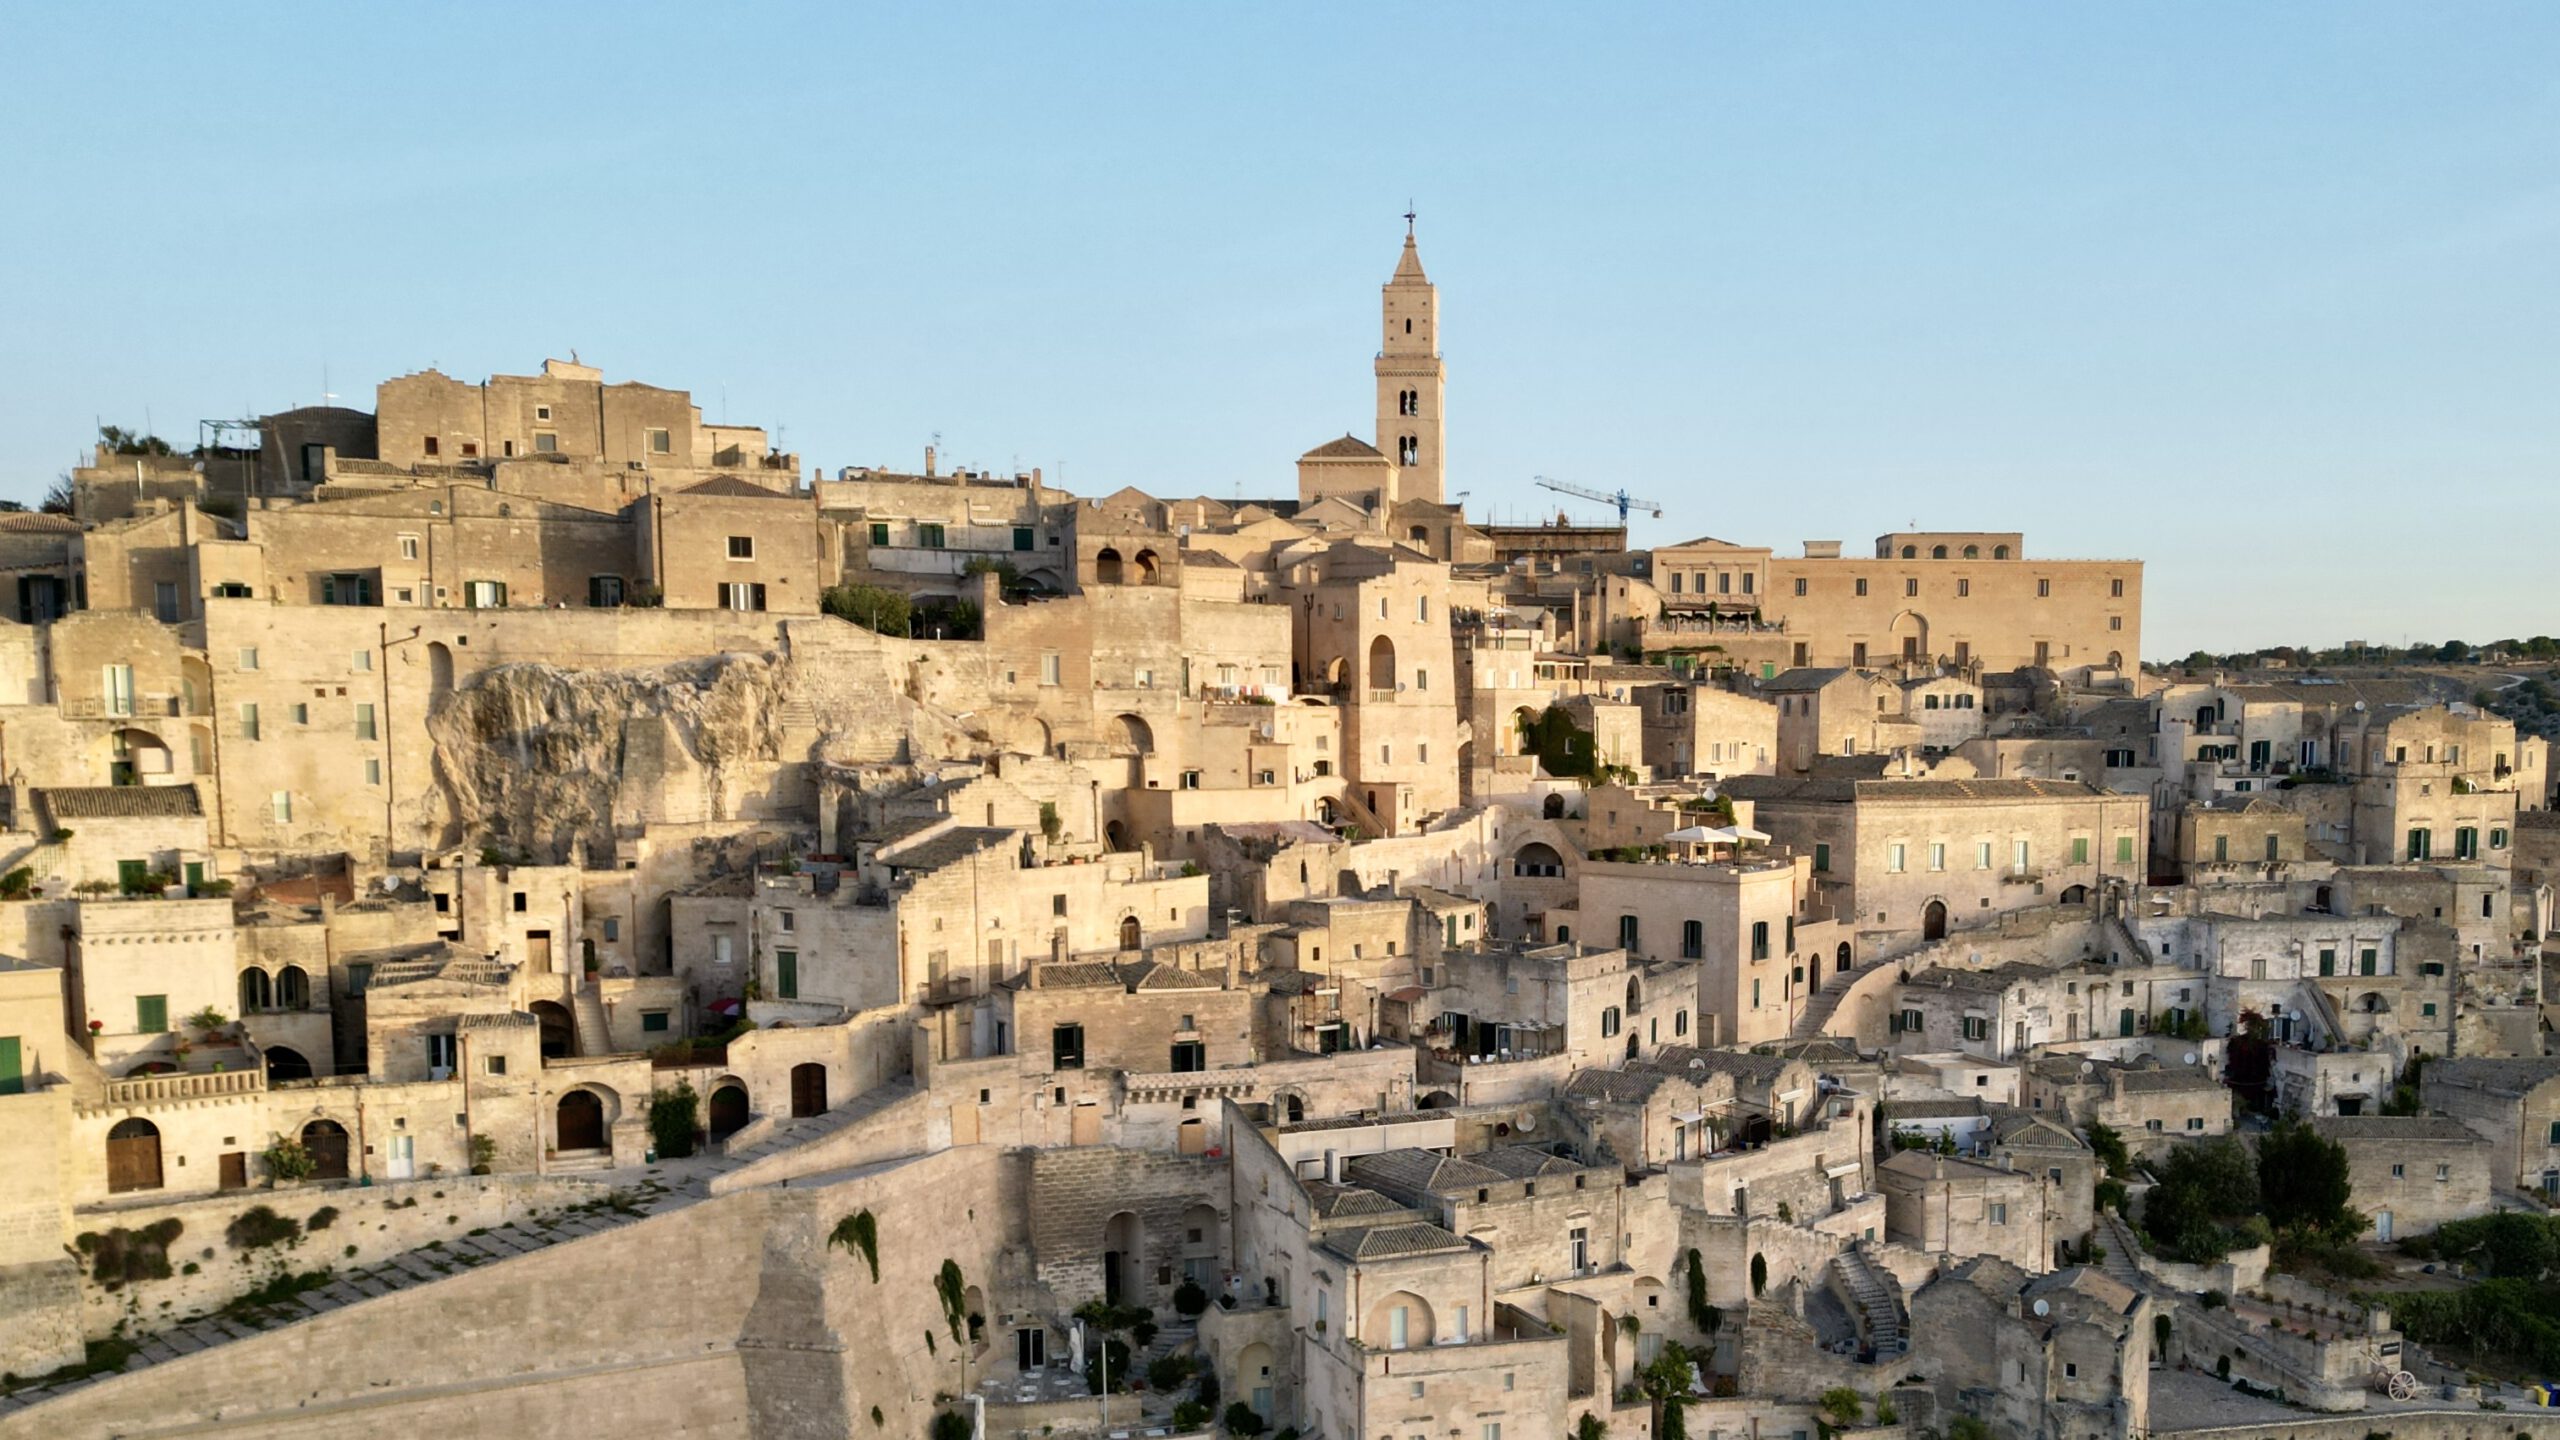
x=2514 y=1104
x=1948 y=1205
x=2412 y=1173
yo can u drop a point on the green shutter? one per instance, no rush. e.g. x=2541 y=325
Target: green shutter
x=13 y=1081
x=131 y=875
x=2124 y=1022
x=1822 y=857
x=151 y=1014
x=786 y=974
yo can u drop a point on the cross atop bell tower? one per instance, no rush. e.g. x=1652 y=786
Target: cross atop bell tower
x=1410 y=380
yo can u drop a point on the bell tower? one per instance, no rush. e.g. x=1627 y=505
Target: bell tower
x=1410 y=384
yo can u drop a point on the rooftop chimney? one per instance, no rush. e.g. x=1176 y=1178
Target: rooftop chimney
x=928 y=460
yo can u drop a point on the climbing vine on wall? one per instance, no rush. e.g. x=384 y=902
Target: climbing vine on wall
x=860 y=1234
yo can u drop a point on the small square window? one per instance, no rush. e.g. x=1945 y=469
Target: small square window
x=742 y=547
x=494 y=1065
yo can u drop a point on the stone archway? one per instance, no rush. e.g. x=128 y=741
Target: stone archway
x=1933 y=921
x=728 y=1109
x=559 y=1031
x=1123 y=1260
x=133 y=1156
x=286 y=1063
x=581 y=1122
x=327 y=1142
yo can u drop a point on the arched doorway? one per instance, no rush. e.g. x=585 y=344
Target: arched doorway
x=581 y=1122
x=1436 y=1100
x=1253 y=1378
x=1911 y=635
x=1382 y=664
x=1130 y=735
x=1116 y=836
x=559 y=1032
x=1840 y=960
x=1933 y=921
x=728 y=1110
x=808 y=1090
x=1106 y=566
x=327 y=1142
x=1552 y=807
x=1146 y=567
x=133 y=1156
x=286 y=1063
x=1130 y=934
x=1813 y=970
x=1123 y=1256
x=2075 y=895
x=439 y=667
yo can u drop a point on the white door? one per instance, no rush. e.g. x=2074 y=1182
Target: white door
x=404 y=1157
x=2382 y=1226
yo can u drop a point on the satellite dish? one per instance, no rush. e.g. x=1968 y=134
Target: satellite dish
x=2043 y=1306
x=390 y=884
x=2191 y=1057
x=1528 y=1122
x=2088 y=1067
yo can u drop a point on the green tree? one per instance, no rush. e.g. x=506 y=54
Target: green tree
x=2107 y=1143
x=1666 y=1383
x=2303 y=1183
x=2207 y=1201
x=881 y=611
x=674 y=1116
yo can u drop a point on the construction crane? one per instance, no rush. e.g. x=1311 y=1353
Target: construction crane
x=1621 y=499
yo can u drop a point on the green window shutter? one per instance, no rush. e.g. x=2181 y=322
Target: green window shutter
x=786 y=974
x=151 y=1014
x=2328 y=962
x=13 y=1080
x=131 y=874
x=1821 y=857
x=879 y=533
x=1021 y=537
x=2079 y=850
x=2124 y=849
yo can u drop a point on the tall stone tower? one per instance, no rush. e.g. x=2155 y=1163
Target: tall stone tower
x=1410 y=384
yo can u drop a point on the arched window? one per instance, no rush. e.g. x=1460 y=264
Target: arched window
x=1999 y=552
x=1938 y=552
x=1408 y=450
x=255 y=992
x=293 y=989
x=1910 y=552
x=1973 y=552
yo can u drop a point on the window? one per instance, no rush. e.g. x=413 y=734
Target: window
x=542 y=413
x=661 y=443
x=1051 y=668
x=408 y=547
x=742 y=596
x=2466 y=843
x=1189 y=1056
x=485 y=594
x=372 y=772
x=604 y=592
x=164 y=602
x=1999 y=1213
x=2328 y=960
x=1963 y=588
x=361 y=661
x=1066 y=1048
x=301 y=714
x=2421 y=843
x=2124 y=849
x=497 y=1064
x=1821 y=857
x=249 y=657
x=613 y=928
x=1937 y=855
x=545 y=442
x=2018 y=857
x=879 y=532
x=1578 y=1244
x=2443 y=1173
x=2115 y=589
x=151 y=1014
x=1862 y=585
x=118 y=688
x=1693 y=940
x=364 y=721
x=1799 y=584
x=742 y=547
x=2497 y=839
x=1759 y=939
x=2079 y=849
x=1022 y=537
x=1399 y=1327
x=1982 y=856
x=1893 y=859
x=1627 y=932
x=2115 y=622
x=2195 y=1122
x=1911 y=586
x=2044 y=589
x=2399 y=1172
x=280 y=805
x=653 y=1021
x=1190 y=779
x=1977 y=1027
x=2367 y=958
x=929 y=536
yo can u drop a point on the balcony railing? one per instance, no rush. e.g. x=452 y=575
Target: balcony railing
x=186 y=1085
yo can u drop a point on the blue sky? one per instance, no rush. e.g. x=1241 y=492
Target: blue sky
x=2266 y=295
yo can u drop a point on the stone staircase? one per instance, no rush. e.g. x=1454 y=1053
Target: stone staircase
x=1878 y=1299
x=655 y=1190
x=595 y=1036
x=1820 y=1006
x=2117 y=1239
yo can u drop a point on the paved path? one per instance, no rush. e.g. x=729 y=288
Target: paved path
x=625 y=1195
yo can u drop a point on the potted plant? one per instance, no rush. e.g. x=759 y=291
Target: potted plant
x=288 y=1163
x=484 y=1153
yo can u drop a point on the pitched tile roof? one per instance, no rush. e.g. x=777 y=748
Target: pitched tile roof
x=2402 y=1128
x=1349 y=447
x=121 y=802
x=1387 y=1242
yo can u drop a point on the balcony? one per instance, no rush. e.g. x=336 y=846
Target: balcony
x=142 y=1090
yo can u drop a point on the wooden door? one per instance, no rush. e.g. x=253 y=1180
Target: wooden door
x=235 y=1170
x=327 y=1142
x=1087 y=1123
x=581 y=1121
x=537 y=951
x=808 y=1091
x=133 y=1156
x=728 y=1111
